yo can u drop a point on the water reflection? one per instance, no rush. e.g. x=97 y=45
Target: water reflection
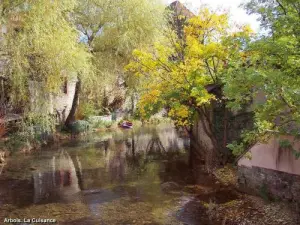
x=122 y=164
x=59 y=183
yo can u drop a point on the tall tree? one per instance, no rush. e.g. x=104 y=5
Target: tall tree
x=274 y=71
x=111 y=30
x=42 y=46
x=175 y=74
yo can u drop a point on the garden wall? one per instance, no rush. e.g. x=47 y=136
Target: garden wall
x=271 y=184
x=271 y=169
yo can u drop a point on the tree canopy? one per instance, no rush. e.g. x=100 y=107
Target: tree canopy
x=175 y=73
x=49 y=41
x=274 y=71
x=112 y=29
x=173 y=67
x=43 y=46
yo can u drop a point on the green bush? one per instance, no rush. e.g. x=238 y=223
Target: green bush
x=80 y=126
x=17 y=141
x=97 y=122
x=88 y=109
x=34 y=130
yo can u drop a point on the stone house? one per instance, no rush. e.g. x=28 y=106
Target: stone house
x=56 y=104
x=268 y=168
x=271 y=167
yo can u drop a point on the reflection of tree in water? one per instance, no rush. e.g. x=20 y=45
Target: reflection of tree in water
x=136 y=160
x=116 y=163
x=1 y=168
x=163 y=145
x=155 y=146
x=177 y=170
x=59 y=182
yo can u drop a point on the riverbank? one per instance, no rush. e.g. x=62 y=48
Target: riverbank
x=20 y=142
x=218 y=201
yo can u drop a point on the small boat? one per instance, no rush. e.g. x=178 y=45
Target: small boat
x=126 y=124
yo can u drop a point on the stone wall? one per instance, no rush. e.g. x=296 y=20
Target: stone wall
x=269 y=183
x=60 y=103
x=64 y=101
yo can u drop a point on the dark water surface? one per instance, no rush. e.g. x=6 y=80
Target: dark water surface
x=121 y=177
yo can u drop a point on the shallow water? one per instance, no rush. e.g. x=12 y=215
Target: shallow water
x=121 y=177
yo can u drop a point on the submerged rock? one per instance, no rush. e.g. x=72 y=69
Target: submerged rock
x=170 y=186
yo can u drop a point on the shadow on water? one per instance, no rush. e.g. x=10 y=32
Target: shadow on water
x=114 y=178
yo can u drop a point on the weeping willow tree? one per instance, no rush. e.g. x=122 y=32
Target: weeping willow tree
x=48 y=42
x=112 y=29
x=43 y=51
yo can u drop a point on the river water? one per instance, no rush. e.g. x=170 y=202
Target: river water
x=120 y=177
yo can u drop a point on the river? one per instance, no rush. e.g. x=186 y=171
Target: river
x=120 y=177
x=136 y=176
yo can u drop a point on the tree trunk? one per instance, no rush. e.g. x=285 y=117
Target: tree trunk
x=132 y=104
x=209 y=148
x=71 y=117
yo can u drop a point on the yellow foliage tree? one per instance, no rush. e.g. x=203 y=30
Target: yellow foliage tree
x=175 y=74
x=173 y=82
